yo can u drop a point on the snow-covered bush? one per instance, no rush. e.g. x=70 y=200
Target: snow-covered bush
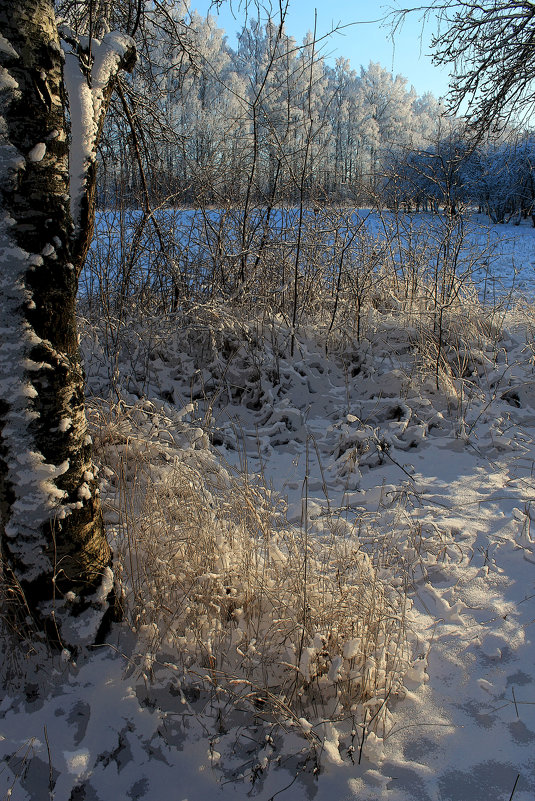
x=218 y=583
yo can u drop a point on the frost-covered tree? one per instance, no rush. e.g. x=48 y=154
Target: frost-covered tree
x=499 y=179
x=223 y=126
x=342 y=148
x=427 y=120
x=56 y=559
x=390 y=110
x=430 y=178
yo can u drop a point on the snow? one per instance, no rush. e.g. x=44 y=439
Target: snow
x=11 y=160
x=456 y=510
x=37 y=153
x=85 y=98
x=106 y=586
x=438 y=482
x=83 y=128
x=31 y=478
x=107 y=55
x=7 y=48
x=7 y=81
x=77 y=761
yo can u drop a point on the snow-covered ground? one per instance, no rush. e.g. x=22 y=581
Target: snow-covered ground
x=505 y=254
x=437 y=486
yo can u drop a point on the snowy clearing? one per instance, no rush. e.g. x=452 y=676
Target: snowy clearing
x=412 y=502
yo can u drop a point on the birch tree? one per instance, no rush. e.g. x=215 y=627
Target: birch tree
x=56 y=560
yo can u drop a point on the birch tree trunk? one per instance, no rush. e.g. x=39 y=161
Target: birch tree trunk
x=54 y=550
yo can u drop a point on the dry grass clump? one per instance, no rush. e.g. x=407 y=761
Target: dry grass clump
x=21 y=639
x=218 y=583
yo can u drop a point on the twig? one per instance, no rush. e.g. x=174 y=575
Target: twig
x=363 y=734
x=51 y=782
x=514 y=699
x=514 y=788
x=284 y=788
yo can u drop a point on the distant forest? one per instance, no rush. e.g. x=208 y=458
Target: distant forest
x=200 y=123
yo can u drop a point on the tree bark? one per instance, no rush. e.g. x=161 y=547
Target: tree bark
x=54 y=548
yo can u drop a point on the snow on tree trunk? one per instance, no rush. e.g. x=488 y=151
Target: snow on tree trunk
x=53 y=543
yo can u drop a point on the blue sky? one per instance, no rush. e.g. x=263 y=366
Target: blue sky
x=370 y=40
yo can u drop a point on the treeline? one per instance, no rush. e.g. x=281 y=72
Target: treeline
x=496 y=178
x=201 y=123
x=270 y=120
